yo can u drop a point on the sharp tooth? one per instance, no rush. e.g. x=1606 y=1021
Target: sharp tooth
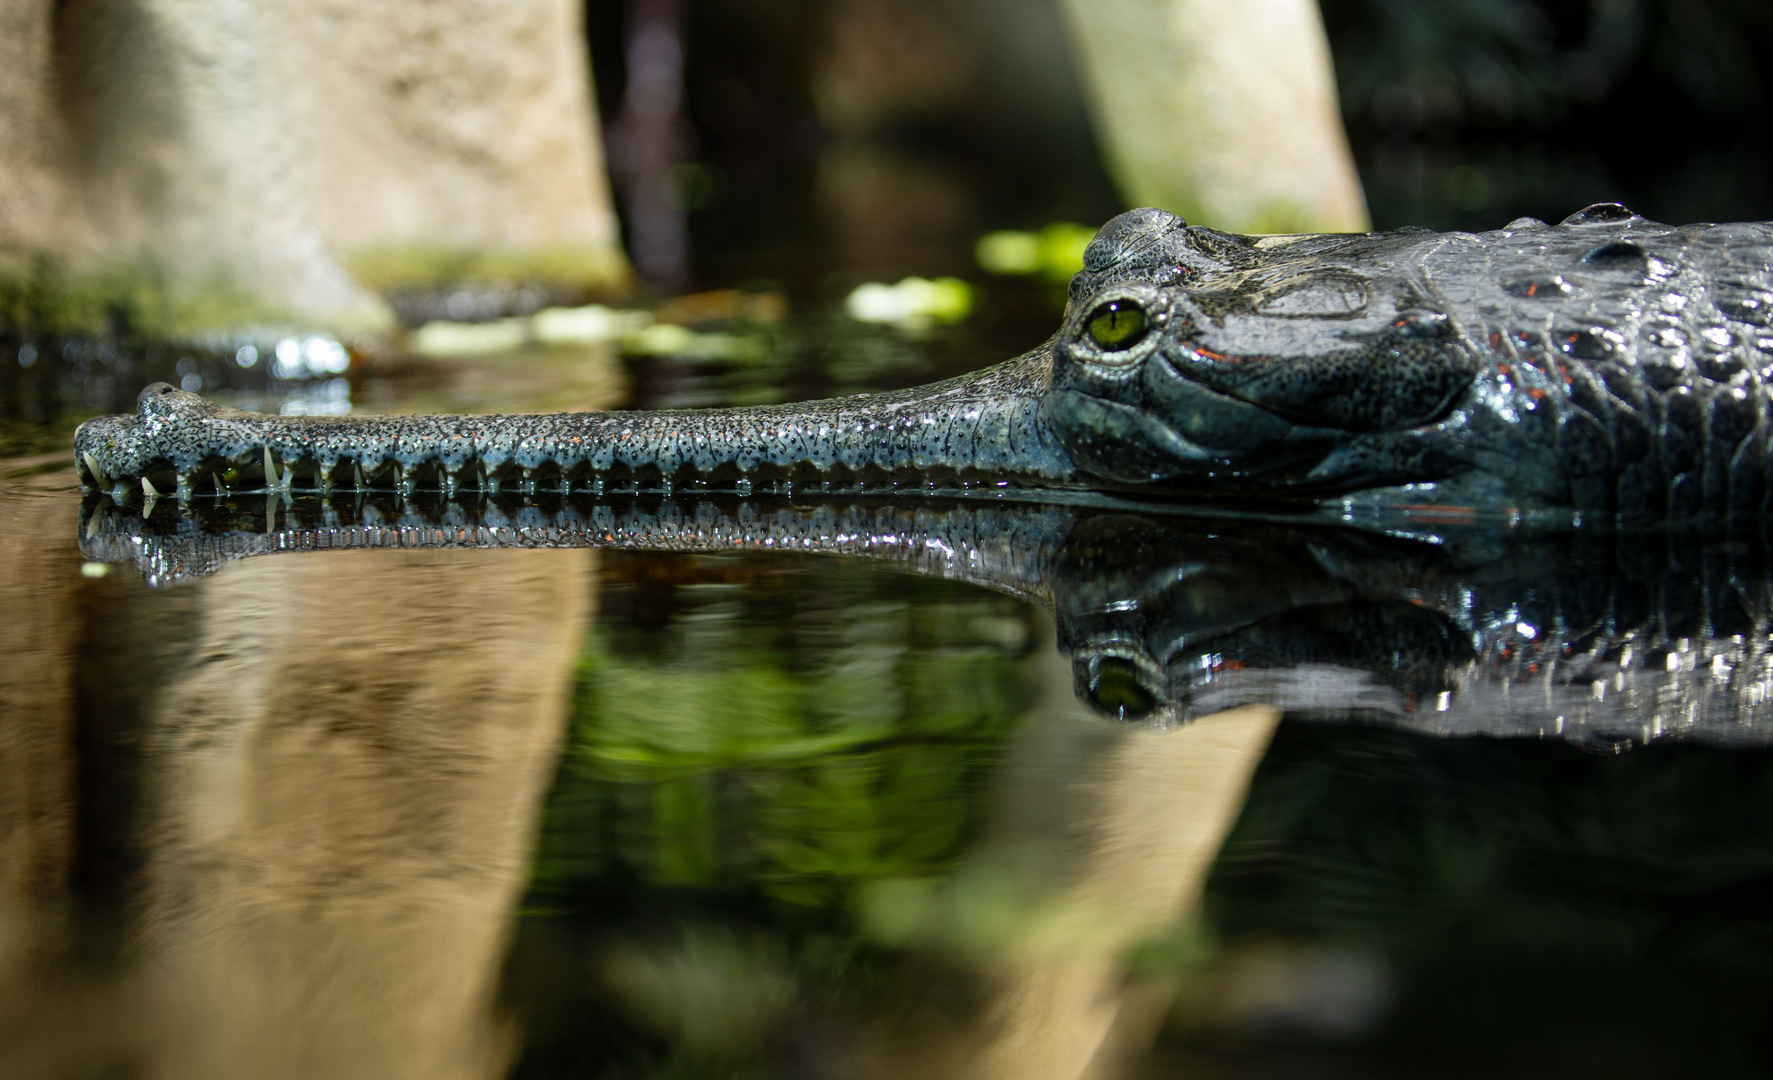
x=148 y=489
x=92 y=466
x=271 y=479
x=357 y=472
x=221 y=489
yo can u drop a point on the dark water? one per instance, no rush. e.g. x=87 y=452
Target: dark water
x=896 y=786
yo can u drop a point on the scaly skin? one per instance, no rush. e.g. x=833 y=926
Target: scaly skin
x=1609 y=365
x=980 y=429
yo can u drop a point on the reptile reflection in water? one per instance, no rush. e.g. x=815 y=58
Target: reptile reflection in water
x=1602 y=638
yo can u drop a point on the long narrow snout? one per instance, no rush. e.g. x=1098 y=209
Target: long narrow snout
x=982 y=428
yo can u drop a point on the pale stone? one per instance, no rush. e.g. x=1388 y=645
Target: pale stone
x=261 y=144
x=465 y=124
x=31 y=193
x=1225 y=113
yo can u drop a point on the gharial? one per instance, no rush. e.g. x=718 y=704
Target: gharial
x=1608 y=365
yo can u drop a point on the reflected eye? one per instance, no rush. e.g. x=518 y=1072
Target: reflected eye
x=1115 y=688
x=1117 y=325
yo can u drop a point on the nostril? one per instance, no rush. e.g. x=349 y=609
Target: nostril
x=153 y=392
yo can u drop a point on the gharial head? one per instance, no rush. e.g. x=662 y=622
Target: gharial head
x=1189 y=362
x=1188 y=354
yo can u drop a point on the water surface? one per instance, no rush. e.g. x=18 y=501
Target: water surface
x=647 y=787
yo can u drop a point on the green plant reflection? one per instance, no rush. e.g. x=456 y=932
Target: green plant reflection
x=830 y=749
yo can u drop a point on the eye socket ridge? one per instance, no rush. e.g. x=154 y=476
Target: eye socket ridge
x=1120 y=684
x=1117 y=325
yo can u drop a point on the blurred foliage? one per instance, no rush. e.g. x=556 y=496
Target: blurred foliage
x=1466 y=113
x=1536 y=902
x=824 y=353
x=669 y=339
x=754 y=742
x=1052 y=255
x=800 y=736
x=914 y=305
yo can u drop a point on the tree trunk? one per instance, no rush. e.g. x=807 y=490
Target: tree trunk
x=1224 y=113
x=260 y=148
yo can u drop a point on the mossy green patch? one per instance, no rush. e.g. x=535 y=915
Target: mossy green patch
x=417 y=266
x=41 y=295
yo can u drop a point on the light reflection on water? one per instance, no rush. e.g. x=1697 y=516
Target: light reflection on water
x=666 y=813
x=334 y=766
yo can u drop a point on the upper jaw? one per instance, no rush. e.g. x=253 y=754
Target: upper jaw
x=171 y=431
x=975 y=428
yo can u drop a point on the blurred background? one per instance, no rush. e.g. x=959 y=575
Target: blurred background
x=884 y=136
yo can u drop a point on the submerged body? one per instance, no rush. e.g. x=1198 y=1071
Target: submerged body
x=1608 y=365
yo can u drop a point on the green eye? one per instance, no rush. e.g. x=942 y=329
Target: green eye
x=1117 y=325
x=1117 y=690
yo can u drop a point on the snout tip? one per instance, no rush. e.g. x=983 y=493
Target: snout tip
x=100 y=444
